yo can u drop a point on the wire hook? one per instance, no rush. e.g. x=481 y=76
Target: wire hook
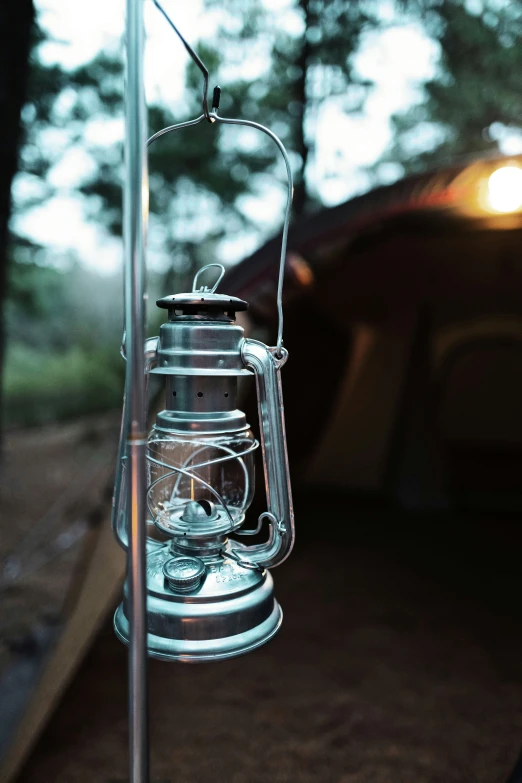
x=201 y=65
x=212 y=117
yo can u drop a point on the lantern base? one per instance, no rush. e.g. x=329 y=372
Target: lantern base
x=232 y=612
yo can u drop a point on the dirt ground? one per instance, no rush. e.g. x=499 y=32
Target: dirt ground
x=399 y=661
x=52 y=482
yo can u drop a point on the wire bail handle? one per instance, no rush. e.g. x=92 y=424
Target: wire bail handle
x=204 y=289
x=212 y=116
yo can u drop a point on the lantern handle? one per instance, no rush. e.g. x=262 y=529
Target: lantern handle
x=290 y=192
x=205 y=289
x=267 y=366
x=119 y=497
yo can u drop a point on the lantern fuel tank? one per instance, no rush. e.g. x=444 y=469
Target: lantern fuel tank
x=210 y=596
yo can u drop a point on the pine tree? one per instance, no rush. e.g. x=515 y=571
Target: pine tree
x=308 y=63
x=475 y=95
x=199 y=178
x=16 y=19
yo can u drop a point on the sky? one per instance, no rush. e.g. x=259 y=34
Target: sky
x=398 y=60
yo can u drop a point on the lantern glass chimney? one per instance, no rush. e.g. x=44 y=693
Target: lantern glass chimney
x=217 y=469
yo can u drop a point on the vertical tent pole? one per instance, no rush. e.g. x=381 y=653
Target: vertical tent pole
x=135 y=227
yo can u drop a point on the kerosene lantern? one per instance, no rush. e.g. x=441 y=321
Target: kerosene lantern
x=208 y=596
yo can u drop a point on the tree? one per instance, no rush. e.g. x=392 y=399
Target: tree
x=16 y=18
x=475 y=96
x=291 y=62
x=199 y=180
x=309 y=62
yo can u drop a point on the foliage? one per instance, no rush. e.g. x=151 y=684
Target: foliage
x=475 y=96
x=198 y=171
x=64 y=324
x=199 y=181
x=45 y=386
x=310 y=61
x=62 y=358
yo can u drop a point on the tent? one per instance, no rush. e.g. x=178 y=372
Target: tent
x=403 y=319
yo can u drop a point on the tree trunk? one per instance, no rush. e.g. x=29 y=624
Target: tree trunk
x=301 y=147
x=16 y=20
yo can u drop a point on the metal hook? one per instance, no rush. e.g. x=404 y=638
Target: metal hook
x=213 y=117
x=205 y=289
x=202 y=67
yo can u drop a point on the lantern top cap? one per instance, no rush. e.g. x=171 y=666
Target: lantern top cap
x=203 y=298
x=202 y=301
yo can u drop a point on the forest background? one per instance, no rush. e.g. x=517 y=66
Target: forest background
x=308 y=69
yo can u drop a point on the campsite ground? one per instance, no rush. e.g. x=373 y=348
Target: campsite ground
x=53 y=482
x=399 y=661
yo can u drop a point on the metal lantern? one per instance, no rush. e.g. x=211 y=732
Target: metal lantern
x=210 y=597
x=181 y=492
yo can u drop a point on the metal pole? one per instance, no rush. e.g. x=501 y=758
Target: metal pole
x=135 y=226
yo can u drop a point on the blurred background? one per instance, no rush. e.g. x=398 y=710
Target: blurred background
x=403 y=121
x=360 y=93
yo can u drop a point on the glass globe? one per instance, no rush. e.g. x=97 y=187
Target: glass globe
x=185 y=467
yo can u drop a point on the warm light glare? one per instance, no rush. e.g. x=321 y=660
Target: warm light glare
x=505 y=189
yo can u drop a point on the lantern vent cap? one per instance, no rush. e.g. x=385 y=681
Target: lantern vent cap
x=202 y=300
